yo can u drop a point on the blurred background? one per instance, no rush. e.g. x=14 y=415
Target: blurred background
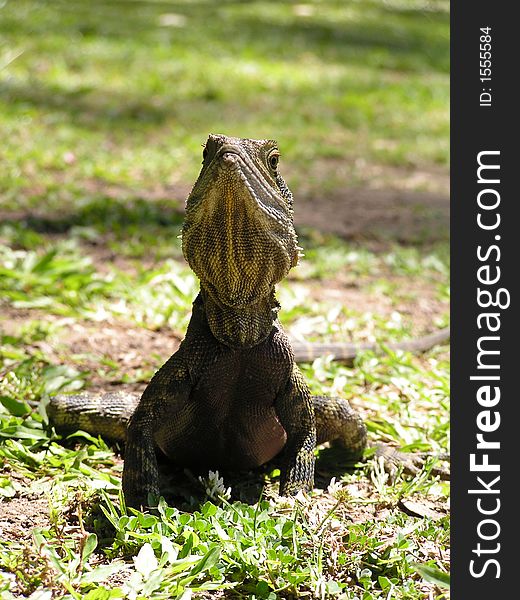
x=106 y=102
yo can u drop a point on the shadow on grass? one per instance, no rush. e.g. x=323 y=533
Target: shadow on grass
x=104 y=215
x=183 y=489
x=417 y=224
x=88 y=106
x=358 y=216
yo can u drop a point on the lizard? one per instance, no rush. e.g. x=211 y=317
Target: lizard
x=232 y=396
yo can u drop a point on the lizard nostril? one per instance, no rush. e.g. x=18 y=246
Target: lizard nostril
x=229 y=157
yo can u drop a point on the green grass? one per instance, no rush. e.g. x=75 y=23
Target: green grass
x=103 y=108
x=127 y=91
x=92 y=547
x=60 y=277
x=263 y=549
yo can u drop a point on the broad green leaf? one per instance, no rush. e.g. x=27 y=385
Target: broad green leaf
x=89 y=546
x=208 y=560
x=433 y=574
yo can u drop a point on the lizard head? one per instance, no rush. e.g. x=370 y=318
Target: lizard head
x=238 y=235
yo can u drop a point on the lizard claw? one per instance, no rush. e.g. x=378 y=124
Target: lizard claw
x=410 y=463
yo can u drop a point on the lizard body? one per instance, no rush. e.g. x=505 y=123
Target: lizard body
x=232 y=396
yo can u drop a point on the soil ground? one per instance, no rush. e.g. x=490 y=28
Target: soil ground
x=374 y=217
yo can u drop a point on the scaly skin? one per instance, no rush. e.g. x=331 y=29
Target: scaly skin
x=231 y=396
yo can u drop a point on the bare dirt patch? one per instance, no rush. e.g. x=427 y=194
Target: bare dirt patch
x=418 y=302
x=137 y=352
x=21 y=514
x=114 y=353
x=400 y=216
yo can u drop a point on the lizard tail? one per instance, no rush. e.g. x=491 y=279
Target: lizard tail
x=348 y=352
x=104 y=414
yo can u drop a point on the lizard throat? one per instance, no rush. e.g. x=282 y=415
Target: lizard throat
x=242 y=327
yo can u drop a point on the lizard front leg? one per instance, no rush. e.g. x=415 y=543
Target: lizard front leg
x=338 y=422
x=166 y=394
x=296 y=414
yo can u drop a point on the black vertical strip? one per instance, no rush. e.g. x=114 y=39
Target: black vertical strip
x=485 y=257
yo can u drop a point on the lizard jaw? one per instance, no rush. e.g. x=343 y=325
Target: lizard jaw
x=238 y=235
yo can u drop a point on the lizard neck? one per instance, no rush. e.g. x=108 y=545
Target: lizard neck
x=243 y=327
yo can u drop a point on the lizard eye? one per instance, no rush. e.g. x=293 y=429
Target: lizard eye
x=273 y=160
